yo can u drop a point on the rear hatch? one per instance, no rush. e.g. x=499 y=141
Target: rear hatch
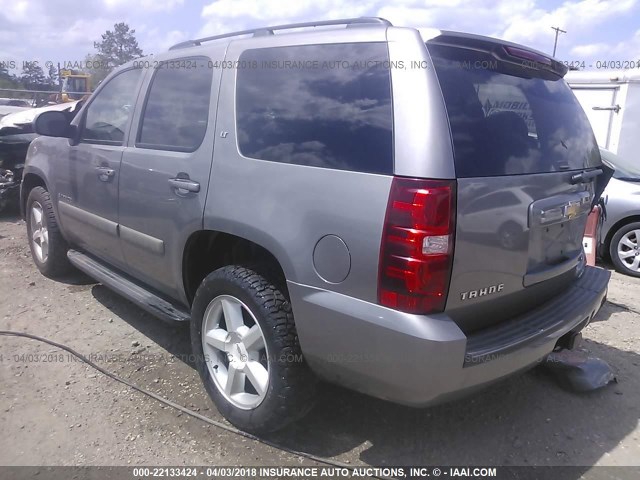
x=527 y=166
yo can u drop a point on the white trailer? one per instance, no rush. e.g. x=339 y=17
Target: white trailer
x=611 y=100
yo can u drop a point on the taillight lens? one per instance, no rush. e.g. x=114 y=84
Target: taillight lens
x=417 y=245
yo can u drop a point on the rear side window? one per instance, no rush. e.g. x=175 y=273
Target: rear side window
x=510 y=121
x=176 y=112
x=317 y=105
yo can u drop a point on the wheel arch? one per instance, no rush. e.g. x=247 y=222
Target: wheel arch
x=30 y=180
x=617 y=226
x=208 y=250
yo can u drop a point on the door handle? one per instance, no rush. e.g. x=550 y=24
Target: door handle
x=105 y=173
x=184 y=184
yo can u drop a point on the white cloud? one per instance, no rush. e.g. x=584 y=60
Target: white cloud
x=524 y=22
x=252 y=9
x=577 y=18
x=66 y=29
x=17 y=11
x=408 y=15
x=588 y=50
x=626 y=51
x=157 y=40
x=228 y=15
x=489 y=17
x=481 y=16
x=82 y=31
x=629 y=49
x=528 y=23
x=144 y=5
x=266 y=10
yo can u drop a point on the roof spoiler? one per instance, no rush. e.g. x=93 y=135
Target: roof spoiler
x=513 y=53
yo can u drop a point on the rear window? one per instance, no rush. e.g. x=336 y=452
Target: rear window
x=510 y=123
x=317 y=105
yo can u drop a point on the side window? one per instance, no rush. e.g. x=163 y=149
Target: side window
x=176 y=111
x=317 y=105
x=108 y=113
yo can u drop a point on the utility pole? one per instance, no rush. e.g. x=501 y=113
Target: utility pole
x=555 y=44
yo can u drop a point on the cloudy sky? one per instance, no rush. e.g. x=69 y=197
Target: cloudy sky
x=64 y=30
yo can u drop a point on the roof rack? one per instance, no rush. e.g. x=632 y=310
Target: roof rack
x=259 y=32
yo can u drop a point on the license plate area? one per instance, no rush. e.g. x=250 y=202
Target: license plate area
x=556 y=228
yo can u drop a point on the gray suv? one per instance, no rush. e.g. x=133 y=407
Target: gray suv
x=349 y=204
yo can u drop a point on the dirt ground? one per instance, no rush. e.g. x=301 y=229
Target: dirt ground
x=57 y=411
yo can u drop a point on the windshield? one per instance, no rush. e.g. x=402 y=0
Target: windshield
x=507 y=120
x=624 y=169
x=73 y=84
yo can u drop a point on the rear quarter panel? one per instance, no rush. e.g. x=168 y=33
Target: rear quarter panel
x=288 y=208
x=422 y=138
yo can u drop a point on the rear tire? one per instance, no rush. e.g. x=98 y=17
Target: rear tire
x=48 y=247
x=252 y=340
x=625 y=249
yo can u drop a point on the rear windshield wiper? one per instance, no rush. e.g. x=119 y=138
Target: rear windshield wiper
x=586 y=177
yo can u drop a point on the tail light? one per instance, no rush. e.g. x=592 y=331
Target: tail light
x=528 y=55
x=417 y=245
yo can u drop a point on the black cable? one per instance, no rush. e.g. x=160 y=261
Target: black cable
x=624 y=307
x=188 y=411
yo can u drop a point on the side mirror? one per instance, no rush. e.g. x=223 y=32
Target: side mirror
x=52 y=124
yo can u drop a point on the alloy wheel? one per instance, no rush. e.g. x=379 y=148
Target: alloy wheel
x=39 y=232
x=629 y=250
x=235 y=352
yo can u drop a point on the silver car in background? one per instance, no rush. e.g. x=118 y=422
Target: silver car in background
x=620 y=234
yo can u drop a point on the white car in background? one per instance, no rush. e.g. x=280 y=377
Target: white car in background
x=13 y=105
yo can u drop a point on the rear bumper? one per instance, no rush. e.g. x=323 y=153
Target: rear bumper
x=421 y=360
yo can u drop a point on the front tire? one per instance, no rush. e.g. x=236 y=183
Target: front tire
x=247 y=351
x=625 y=249
x=48 y=247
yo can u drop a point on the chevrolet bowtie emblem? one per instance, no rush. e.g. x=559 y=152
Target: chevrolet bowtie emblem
x=571 y=210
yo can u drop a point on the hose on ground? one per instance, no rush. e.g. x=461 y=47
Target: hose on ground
x=210 y=421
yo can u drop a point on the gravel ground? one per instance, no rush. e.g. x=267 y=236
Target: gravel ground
x=57 y=411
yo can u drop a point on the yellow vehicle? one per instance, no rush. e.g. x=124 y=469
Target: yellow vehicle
x=73 y=86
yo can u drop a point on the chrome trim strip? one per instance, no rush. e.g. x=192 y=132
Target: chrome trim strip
x=559 y=209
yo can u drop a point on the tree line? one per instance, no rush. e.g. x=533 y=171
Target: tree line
x=115 y=47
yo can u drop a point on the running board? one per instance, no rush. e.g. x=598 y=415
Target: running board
x=113 y=280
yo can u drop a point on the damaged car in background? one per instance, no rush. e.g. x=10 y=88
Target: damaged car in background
x=13 y=105
x=16 y=134
x=13 y=149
